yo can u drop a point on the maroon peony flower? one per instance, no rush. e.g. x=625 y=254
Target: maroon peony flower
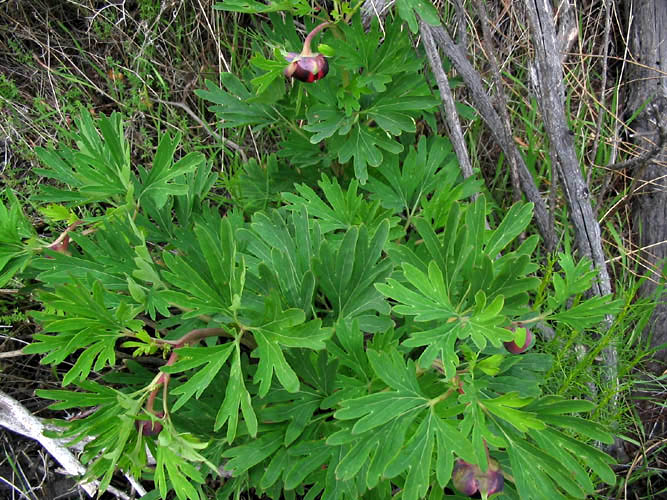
x=468 y=479
x=150 y=427
x=514 y=348
x=307 y=66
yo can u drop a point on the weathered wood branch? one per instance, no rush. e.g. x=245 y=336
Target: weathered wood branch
x=547 y=72
x=498 y=128
x=451 y=116
x=647 y=81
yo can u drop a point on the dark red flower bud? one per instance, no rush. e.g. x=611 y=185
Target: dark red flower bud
x=150 y=427
x=468 y=479
x=514 y=348
x=308 y=69
x=307 y=66
x=60 y=245
x=463 y=477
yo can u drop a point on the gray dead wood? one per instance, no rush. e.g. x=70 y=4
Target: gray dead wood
x=547 y=72
x=16 y=418
x=375 y=8
x=647 y=80
x=451 y=116
x=499 y=129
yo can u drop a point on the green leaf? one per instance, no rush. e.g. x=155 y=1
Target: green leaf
x=158 y=182
x=298 y=410
x=364 y=144
x=15 y=254
x=285 y=245
x=213 y=358
x=491 y=365
x=80 y=319
x=105 y=257
x=505 y=408
x=513 y=224
x=424 y=8
x=274 y=69
x=416 y=458
x=352 y=353
x=590 y=455
x=98 y=171
x=538 y=459
x=380 y=408
x=259 y=184
x=242 y=458
x=428 y=302
x=348 y=275
x=208 y=278
x=396 y=109
x=589 y=312
x=588 y=428
x=549 y=442
x=301 y=153
x=425 y=169
x=58 y=213
x=296 y=7
x=371 y=61
x=274 y=329
x=312 y=455
x=391 y=369
x=530 y=476
x=325 y=121
x=177 y=454
x=96 y=395
x=557 y=405
x=338 y=208
x=236 y=396
x=233 y=105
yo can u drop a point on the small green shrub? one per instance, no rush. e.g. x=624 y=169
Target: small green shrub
x=341 y=336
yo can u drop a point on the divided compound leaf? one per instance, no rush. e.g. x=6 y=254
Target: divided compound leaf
x=211 y=359
x=15 y=228
x=161 y=180
x=236 y=397
x=233 y=105
x=275 y=329
x=349 y=272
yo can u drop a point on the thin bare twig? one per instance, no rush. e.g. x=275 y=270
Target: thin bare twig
x=451 y=116
x=227 y=142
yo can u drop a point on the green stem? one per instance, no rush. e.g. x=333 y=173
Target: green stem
x=354 y=10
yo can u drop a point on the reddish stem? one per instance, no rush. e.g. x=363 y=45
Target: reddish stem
x=64 y=233
x=192 y=337
x=306 y=43
x=162 y=380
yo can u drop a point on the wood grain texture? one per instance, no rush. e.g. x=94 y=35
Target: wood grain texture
x=647 y=80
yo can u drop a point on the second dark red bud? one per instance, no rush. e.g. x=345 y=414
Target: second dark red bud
x=469 y=479
x=150 y=427
x=514 y=348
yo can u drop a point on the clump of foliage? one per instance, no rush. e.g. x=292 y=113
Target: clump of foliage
x=340 y=338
